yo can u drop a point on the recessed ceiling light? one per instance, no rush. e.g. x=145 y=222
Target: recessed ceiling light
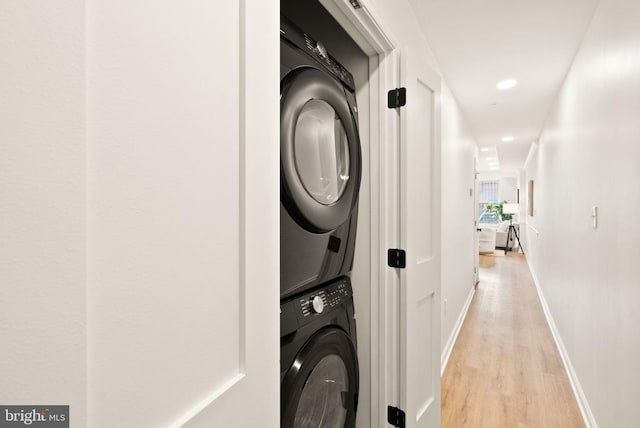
x=506 y=84
x=490 y=159
x=484 y=149
x=507 y=139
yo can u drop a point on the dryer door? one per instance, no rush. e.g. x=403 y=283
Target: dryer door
x=320 y=389
x=320 y=156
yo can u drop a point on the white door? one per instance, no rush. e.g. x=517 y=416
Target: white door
x=183 y=211
x=250 y=396
x=420 y=237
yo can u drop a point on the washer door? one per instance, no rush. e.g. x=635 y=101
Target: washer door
x=320 y=156
x=320 y=390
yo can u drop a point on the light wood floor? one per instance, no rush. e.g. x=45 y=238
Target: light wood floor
x=505 y=370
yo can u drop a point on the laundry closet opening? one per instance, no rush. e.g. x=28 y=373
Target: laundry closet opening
x=316 y=22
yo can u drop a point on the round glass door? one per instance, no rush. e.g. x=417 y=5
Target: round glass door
x=321 y=403
x=320 y=389
x=321 y=151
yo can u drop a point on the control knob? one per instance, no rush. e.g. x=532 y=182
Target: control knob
x=322 y=50
x=317 y=305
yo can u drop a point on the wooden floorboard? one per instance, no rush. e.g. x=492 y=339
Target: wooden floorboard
x=505 y=370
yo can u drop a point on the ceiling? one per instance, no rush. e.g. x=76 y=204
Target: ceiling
x=478 y=43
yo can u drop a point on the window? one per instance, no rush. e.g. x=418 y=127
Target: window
x=489 y=192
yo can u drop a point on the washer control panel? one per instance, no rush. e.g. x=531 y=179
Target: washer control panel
x=317 y=305
x=307 y=307
x=324 y=299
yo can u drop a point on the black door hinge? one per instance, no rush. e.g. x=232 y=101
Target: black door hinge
x=397 y=97
x=396 y=258
x=395 y=417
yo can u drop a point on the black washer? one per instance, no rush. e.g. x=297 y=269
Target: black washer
x=319 y=363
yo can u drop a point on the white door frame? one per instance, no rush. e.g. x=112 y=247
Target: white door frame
x=476 y=225
x=364 y=26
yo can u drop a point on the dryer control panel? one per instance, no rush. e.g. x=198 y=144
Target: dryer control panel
x=316 y=50
x=319 y=302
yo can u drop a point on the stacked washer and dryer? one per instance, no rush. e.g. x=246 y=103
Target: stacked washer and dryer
x=320 y=163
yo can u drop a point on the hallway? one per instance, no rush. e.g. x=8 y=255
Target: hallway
x=505 y=370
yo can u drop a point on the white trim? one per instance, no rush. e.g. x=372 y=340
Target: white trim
x=389 y=229
x=374 y=230
x=578 y=392
x=446 y=353
x=362 y=25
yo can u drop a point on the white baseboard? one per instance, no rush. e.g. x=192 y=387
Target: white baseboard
x=446 y=353
x=589 y=420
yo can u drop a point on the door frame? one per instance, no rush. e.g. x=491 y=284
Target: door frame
x=366 y=27
x=476 y=225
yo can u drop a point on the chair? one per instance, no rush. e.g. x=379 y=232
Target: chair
x=487 y=240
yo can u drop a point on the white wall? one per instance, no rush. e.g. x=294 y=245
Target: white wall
x=458 y=228
x=401 y=23
x=508 y=189
x=42 y=205
x=589 y=156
